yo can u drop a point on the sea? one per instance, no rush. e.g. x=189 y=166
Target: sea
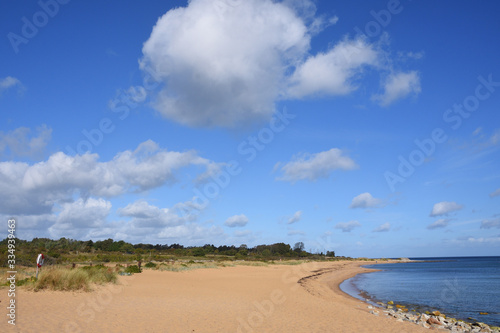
x=460 y=287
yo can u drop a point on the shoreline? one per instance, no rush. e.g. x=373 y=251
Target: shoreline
x=434 y=319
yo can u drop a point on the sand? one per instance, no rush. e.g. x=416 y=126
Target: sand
x=274 y=298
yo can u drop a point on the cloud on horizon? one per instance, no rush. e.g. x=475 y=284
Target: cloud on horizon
x=236 y=221
x=34 y=189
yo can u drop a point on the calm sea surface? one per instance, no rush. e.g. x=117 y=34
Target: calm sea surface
x=460 y=287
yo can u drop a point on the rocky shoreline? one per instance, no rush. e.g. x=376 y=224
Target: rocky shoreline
x=433 y=319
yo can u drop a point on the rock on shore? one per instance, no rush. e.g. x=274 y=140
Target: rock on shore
x=435 y=320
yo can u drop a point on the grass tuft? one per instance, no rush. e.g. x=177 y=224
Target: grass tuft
x=64 y=279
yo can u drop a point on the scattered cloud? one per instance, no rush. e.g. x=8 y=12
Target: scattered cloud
x=365 y=200
x=333 y=72
x=411 y=55
x=478 y=240
x=444 y=208
x=489 y=224
x=236 y=221
x=441 y=223
x=296 y=233
x=145 y=215
x=76 y=218
x=296 y=217
x=192 y=233
x=242 y=233
x=477 y=131
x=36 y=188
x=495 y=193
x=383 y=227
x=21 y=142
x=347 y=226
x=495 y=138
x=398 y=86
x=314 y=166
x=8 y=83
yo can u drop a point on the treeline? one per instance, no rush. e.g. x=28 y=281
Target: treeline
x=67 y=250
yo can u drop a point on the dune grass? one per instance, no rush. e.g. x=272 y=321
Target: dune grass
x=187 y=266
x=65 y=279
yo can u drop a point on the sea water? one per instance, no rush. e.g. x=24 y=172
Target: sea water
x=460 y=287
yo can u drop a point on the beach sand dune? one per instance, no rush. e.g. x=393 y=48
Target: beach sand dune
x=274 y=298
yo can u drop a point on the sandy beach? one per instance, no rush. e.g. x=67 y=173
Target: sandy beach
x=274 y=298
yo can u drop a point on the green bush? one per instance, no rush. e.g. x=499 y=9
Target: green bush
x=150 y=265
x=132 y=269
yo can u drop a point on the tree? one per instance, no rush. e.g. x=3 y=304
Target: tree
x=298 y=247
x=266 y=253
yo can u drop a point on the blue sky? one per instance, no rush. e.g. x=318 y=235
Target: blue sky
x=371 y=129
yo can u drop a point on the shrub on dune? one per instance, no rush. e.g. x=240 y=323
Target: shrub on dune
x=73 y=279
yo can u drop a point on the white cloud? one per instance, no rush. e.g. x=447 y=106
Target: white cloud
x=76 y=218
x=223 y=69
x=145 y=215
x=191 y=233
x=495 y=193
x=383 y=227
x=226 y=65
x=296 y=233
x=315 y=166
x=489 y=224
x=22 y=142
x=495 y=138
x=347 y=226
x=444 y=208
x=295 y=218
x=236 y=221
x=398 y=86
x=365 y=200
x=478 y=240
x=411 y=55
x=9 y=82
x=332 y=73
x=477 y=131
x=242 y=233
x=441 y=223
x=35 y=189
